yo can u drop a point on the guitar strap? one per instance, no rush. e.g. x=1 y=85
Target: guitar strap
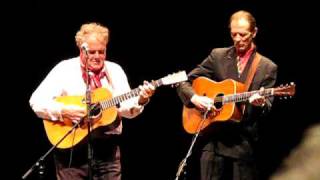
x=252 y=71
x=250 y=75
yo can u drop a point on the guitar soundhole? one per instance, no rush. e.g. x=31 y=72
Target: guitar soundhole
x=218 y=103
x=95 y=110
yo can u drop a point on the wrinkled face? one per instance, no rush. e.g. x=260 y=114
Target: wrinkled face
x=96 y=53
x=241 y=35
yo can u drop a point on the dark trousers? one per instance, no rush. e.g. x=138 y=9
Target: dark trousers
x=72 y=164
x=217 y=167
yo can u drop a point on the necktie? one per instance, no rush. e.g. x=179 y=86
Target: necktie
x=242 y=61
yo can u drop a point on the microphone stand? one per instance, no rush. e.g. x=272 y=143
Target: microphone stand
x=88 y=103
x=39 y=164
x=183 y=163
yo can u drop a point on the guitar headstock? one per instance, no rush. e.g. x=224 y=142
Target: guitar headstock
x=174 y=78
x=285 y=90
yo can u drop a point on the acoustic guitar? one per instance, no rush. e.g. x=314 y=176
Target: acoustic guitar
x=103 y=110
x=225 y=95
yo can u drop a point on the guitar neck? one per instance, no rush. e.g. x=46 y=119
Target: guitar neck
x=240 y=97
x=118 y=99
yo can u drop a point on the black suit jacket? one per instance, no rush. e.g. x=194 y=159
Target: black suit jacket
x=230 y=138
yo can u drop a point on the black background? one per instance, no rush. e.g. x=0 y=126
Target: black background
x=150 y=40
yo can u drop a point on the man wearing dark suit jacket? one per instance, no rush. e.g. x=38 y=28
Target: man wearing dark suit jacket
x=226 y=147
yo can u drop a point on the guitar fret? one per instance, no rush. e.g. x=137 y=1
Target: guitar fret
x=119 y=98
x=122 y=98
x=107 y=104
x=114 y=101
x=136 y=92
x=103 y=105
x=127 y=95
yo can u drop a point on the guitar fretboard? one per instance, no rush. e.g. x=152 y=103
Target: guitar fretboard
x=240 y=97
x=118 y=99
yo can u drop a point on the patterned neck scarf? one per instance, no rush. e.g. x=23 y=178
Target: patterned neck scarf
x=94 y=78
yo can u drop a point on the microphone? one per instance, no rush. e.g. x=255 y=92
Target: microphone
x=85 y=47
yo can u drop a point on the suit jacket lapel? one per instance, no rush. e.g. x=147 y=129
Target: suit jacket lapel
x=230 y=64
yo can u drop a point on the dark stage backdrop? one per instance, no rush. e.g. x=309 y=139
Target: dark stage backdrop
x=150 y=40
